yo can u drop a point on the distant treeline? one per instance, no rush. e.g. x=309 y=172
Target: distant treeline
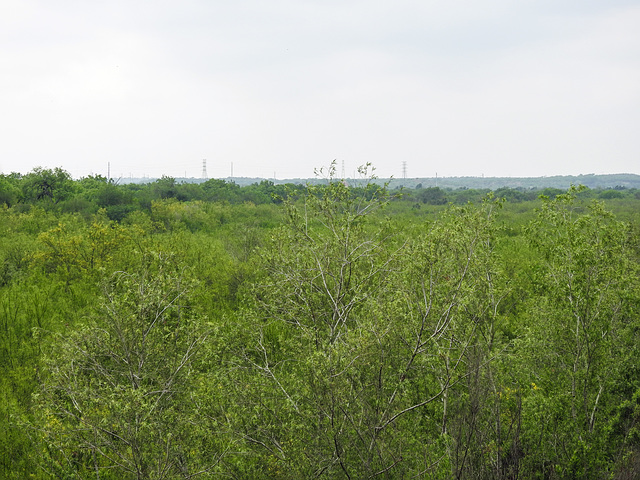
x=563 y=182
x=55 y=189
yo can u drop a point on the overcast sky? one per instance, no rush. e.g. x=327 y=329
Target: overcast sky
x=456 y=87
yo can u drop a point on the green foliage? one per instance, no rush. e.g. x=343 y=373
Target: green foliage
x=432 y=196
x=215 y=190
x=366 y=342
x=331 y=330
x=47 y=186
x=116 y=400
x=579 y=304
x=9 y=192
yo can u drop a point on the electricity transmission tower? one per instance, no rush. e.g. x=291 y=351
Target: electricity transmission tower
x=204 y=169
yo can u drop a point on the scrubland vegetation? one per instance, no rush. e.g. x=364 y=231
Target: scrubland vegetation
x=174 y=330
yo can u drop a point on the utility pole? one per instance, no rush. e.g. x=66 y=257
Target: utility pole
x=204 y=169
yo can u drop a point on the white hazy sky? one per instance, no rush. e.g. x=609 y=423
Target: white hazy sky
x=457 y=87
